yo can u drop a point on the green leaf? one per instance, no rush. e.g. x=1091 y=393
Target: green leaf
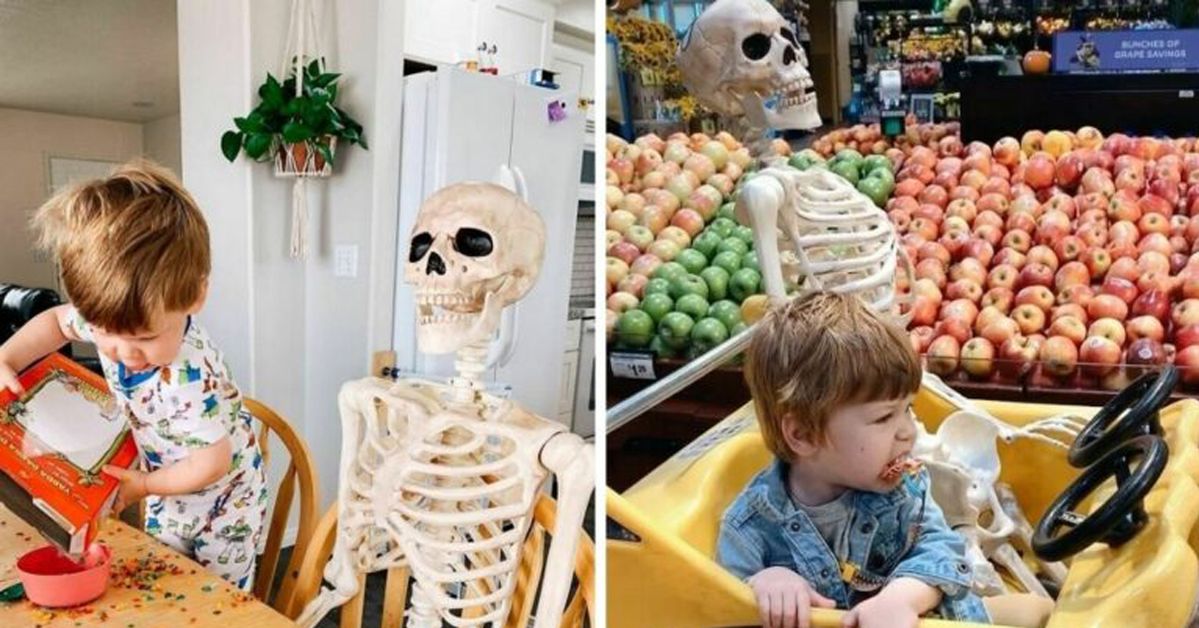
x=271 y=92
x=251 y=124
x=257 y=144
x=231 y=144
x=294 y=132
x=325 y=80
x=292 y=108
x=314 y=68
x=323 y=149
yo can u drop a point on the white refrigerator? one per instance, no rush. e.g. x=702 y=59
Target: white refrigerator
x=461 y=126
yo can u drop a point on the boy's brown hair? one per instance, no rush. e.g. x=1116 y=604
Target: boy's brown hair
x=131 y=246
x=819 y=352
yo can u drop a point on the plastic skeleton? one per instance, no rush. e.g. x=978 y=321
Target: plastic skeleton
x=813 y=230
x=442 y=478
x=736 y=55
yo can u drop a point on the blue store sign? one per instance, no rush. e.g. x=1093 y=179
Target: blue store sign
x=1126 y=51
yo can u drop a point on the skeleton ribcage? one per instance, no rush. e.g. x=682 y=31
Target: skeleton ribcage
x=451 y=498
x=833 y=237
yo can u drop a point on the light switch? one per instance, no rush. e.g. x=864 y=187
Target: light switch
x=345 y=260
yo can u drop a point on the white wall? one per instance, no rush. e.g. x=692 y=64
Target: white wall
x=160 y=142
x=292 y=331
x=578 y=14
x=30 y=138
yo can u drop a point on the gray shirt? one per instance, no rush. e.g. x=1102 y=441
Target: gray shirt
x=832 y=519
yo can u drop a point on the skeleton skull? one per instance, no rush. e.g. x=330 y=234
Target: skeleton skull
x=475 y=248
x=738 y=53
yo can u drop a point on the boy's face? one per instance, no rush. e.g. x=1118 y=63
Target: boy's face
x=863 y=441
x=147 y=348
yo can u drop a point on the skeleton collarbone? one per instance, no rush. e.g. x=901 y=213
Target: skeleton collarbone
x=461 y=481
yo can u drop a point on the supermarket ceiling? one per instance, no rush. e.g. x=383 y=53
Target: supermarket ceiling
x=112 y=59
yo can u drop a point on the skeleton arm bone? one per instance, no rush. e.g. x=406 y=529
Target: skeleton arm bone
x=572 y=462
x=760 y=201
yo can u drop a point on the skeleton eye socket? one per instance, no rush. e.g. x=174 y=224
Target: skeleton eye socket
x=420 y=245
x=472 y=242
x=756 y=46
x=789 y=36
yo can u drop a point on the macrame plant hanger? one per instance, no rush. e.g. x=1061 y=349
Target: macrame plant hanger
x=303 y=45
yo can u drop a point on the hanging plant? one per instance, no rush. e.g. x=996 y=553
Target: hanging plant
x=299 y=131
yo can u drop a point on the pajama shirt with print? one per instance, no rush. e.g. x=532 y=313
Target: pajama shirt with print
x=174 y=410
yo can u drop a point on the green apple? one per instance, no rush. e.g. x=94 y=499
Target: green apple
x=657 y=285
x=669 y=271
x=726 y=312
x=745 y=234
x=634 y=328
x=847 y=170
x=723 y=227
x=799 y=161
x=737 y=328
x=732 y=244
x=692 y=305
x=688 y=284
x=706 y=243
x=717 y=279
x=675 y=329
x=750 y=260
x=728 y=260
x=708 y=333
x=661 y=349
x=875 y=162
x=657 y=305
x=744 y=284
x=692 y=260
x=875 y=189
x=848 y=155
x=728 y=210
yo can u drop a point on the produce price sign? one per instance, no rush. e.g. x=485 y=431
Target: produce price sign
x=633 y=365
x=1078 y=52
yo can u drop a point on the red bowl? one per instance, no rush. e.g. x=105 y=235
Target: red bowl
x=53 y=580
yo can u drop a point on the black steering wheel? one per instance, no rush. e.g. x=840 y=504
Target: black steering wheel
x=1142 y=399
x=1119 y=518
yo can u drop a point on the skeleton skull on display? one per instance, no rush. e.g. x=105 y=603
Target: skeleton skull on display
x=476 y=248
x=442 y=479
x=740 y=52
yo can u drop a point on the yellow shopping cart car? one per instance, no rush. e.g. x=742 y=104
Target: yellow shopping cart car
x=1119 y=509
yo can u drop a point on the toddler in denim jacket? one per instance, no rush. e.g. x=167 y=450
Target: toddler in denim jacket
x=844 y=517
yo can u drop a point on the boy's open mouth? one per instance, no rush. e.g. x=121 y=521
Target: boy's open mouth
x=898 y=465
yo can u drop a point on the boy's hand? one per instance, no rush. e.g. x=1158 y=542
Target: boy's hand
x=896 y=606
x=8 y=379
x=785 y=598
x=132 y=488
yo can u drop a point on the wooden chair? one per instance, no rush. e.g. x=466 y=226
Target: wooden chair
x=579 y=606
x=300 y=471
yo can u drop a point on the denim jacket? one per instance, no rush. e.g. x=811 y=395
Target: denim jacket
x=900 y=533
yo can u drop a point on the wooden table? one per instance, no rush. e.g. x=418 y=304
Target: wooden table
x=184 y=595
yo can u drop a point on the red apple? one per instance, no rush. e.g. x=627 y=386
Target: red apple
x=1071 y=273
x=955 y=327
x=1145 y=327
x=1069 y=327
x=1155 y=303
x=1029 y=318
x=1098 y=356
x=991 y=233
x=927 y=288
x=978 y=357
x=1039 y=296
x=961 y=309
x=963 y=208
x=964 y=289
x=1002 y=276
x=1124 y=268
x=1044 y=255
x=1000 y=330
x=1109 y=328
x=1018 y=239
x=1007 y=151
x=932 y=269
x=625 y=251
x=1011 y=257
x=999 y=297
x=1068 y=248
x=1157 y=242
x=924 y=311
x=1034 y=274
x=1186 y=336
x=646 y=264
x=1097 y=262
x=1107 y=306
x=943 y=354
x=1187 y=361
x=1143 y=355
x=1122 y=288
x=621 y=302
x=1017 y=355
x=1069 y=170
x=933 y=250
x=986 y=316
x=1185 y=312
x=1069 y=309
x=924 y=227
x=1059 y=356
x=922 y=337
x=1020 y=221
x=932 y=213
x=1076 y=294
x=1092 y=236
x=1039 y=172
x=969 y=268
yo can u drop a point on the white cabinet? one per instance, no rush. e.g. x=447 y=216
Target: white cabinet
x=449 y=31
x=576 y=71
